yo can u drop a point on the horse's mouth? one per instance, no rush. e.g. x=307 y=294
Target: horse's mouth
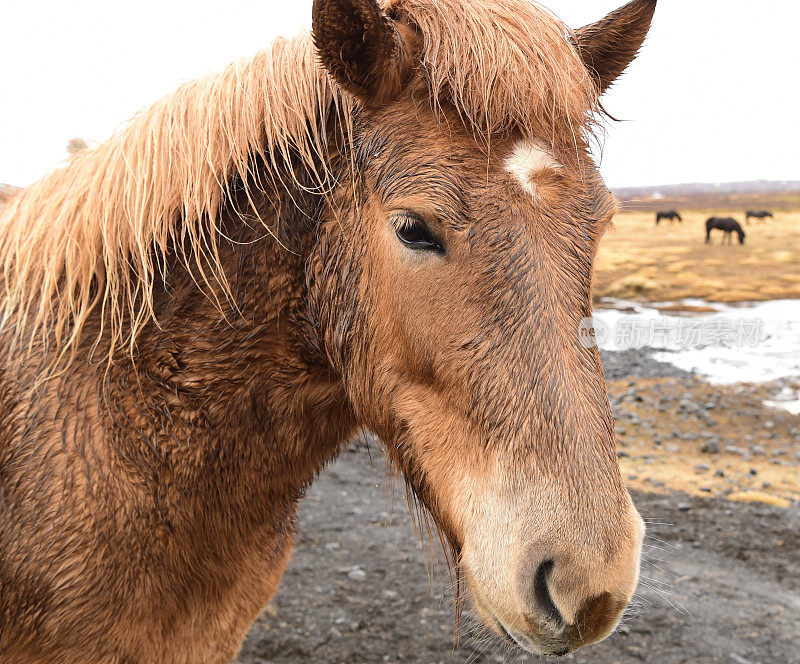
x=557 y=647
x=528 y=645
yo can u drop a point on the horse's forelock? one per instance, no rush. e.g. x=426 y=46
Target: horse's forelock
x=503 y=64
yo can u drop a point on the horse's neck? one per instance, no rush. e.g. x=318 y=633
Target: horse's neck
x=249 y=382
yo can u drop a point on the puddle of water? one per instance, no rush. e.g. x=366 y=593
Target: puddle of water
x=788 y=399
x=792 y=406
x=750 y=342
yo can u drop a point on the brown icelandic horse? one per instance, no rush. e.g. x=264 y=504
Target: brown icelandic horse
x=728 y=225
x=670 y=215
x=6 y=191
x=388 y=226
x=758 y=214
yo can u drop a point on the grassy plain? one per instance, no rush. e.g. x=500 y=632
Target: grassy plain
x=639 y=260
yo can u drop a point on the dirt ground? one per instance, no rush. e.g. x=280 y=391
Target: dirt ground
x=720 y=585
x=686 y=435
x=638 y=259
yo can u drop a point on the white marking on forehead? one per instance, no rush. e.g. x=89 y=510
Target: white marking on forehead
x=528 y=158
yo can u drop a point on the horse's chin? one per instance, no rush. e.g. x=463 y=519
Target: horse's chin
x=539 y=644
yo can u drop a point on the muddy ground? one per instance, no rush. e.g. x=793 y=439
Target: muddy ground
x=721 y=584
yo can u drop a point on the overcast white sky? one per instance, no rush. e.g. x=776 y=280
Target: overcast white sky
x=713 y=97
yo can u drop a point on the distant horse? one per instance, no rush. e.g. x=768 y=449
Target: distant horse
x=6 y=191
x=671 y=215
x=728 y=225
x=374 y=228
x=758 y=214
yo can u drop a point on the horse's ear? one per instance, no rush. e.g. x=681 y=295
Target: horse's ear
x=610 y=45
x=361 y=48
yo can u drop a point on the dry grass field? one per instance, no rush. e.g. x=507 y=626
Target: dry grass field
x=639 y=260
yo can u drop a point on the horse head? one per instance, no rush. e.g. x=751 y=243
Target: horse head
x=463 y=232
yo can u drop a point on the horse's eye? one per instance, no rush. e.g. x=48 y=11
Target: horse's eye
x=415 y=234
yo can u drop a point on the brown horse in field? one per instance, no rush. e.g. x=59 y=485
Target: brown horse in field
x=728 y=225
x=388 y=226
x=668 y=215
x=6 y=191
x=762 y=215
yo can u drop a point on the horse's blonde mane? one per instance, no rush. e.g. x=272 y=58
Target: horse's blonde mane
x=94 y=234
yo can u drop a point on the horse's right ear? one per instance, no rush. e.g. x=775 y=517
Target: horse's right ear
x=361 y=48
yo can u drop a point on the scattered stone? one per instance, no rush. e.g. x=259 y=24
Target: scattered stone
x=739 y=660
x=710 y=447
x=684 y=507
x=357 y=574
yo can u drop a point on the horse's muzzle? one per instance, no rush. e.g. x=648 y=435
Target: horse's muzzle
x=566 y=597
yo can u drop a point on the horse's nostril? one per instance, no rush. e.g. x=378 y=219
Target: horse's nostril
x=598 y=613
x=541 y=591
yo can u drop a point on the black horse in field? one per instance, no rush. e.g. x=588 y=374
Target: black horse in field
x=726 y=224
x=758 y=214
x=672 y=215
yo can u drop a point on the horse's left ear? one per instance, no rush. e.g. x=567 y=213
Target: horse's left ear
x=361 y=48
x=610 y=45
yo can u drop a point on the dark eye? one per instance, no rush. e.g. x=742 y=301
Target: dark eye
x=415 y=234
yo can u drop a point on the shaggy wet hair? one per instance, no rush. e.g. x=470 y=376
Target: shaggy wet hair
x=96 y=232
